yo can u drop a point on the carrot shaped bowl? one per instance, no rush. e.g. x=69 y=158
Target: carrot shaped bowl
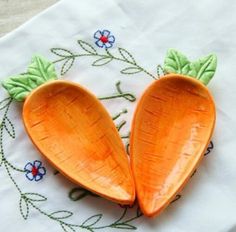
x=171 y=129
x=72 y=129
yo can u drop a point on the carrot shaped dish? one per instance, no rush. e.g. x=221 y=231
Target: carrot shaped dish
x=72 y=129
x=171 y=129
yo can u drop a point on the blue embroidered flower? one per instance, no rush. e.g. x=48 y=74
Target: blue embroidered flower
x=104 y=38
x=34 y=171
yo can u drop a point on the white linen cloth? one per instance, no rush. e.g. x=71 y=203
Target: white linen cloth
x=146 y=29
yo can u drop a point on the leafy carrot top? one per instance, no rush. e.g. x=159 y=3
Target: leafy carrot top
x=39 y=71
x=202 y=69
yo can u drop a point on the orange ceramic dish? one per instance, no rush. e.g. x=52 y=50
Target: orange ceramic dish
x=171 y=129
x=75 y=133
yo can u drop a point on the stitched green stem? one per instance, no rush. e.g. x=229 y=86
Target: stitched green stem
x=12 y=134
x=10 y=176
x=125 y=136
x=128 y=96
x=124 y=111
x=115 y=224
x=120 y=125
x=102 y=59
x=12 y=166
x=118 y=222
x=105 y=57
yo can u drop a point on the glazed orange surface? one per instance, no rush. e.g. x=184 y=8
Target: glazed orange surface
x=171 y=129
x=75 y=133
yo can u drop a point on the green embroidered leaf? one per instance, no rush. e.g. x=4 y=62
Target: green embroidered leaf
x=87 y=47
x=131 y=70
x=204 y=68
x=124 y=226
x=4 y=103
x=67 y=65
x=18 y=87
x=126 y=55
x=176 y=62
x=61 y=214
x=102 y=61
x=160 y=68
x=62 y=52
x=1 y=159
x=92 y=220
x=34 y=197
x=8 y=126
x=24 y=207
x=41 y=70
x=67 y=228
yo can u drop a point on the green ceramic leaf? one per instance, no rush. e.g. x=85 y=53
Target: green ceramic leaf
x=204 y=68
x=39 y=71
x=18 y=87
x=176 y=62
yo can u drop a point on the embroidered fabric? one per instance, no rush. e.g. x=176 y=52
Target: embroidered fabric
x=208 y=201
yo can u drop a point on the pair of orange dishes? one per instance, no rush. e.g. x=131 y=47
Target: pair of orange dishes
x=171 y=129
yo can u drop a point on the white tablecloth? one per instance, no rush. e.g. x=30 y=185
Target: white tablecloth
x=146 y=29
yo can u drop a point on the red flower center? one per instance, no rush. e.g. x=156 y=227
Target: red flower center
x=104 y=39
x=34 y=171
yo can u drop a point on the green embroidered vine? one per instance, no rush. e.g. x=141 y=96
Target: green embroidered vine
x=7 y=126
x=124 y=111
x=69 y=57
x=120 y=125
x=127 y=146
x=128 y=96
